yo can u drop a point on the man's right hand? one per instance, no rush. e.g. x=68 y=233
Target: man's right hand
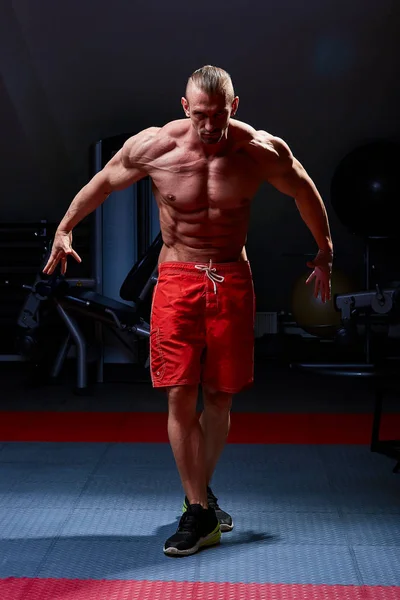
x=61 y=249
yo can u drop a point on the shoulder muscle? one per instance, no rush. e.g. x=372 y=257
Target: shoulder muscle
x=140 y=149
x=127 y=165
x=268 y=144
x=272 y=153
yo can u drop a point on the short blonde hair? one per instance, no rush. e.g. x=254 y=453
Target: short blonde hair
x=212 y=80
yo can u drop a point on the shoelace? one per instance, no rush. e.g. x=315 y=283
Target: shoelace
x=212 y=274
x=188 y=522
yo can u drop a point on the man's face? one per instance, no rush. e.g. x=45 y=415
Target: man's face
x=210 y=115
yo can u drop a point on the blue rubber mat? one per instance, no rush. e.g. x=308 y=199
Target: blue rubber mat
x=302 y=514
x=380 y=564
x=52 y=453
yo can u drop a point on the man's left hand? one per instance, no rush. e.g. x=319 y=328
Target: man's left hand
x=322 y=274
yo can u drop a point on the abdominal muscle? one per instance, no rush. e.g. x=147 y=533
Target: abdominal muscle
x=213 y=236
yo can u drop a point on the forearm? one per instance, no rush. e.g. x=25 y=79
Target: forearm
x=90 y=197
x=313 y=213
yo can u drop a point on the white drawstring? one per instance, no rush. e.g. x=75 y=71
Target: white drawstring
x=212 y=274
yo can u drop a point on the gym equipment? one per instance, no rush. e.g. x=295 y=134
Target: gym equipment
x=313 y=315
x=68 y=298
x=123 y=229
x=22 y=246
x=354 y=308
x=380 y=302
x=364 y=189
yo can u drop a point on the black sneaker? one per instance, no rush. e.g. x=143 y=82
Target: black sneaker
x=225 y=519
x=197 y=527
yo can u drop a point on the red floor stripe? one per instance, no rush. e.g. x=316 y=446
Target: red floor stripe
x=70 y=589
x=247 y=428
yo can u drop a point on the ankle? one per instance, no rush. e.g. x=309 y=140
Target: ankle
x=194 y=500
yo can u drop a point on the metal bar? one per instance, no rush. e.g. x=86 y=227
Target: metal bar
x=77 y=301
x=337 y=370
x=149 y=284
x=142 y=330
x=61 y=356
x=97 y=247
x=365 y=366
x=97 y=263
x=81 y=376
x=100 y=355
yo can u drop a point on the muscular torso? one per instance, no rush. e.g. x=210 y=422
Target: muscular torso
x=204 y=201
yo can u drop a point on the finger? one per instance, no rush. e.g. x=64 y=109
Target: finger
x=63 y=265
x=310 y=264
x=328 y=293
x=311 y=277
x=325 y=285
x=327 y=289
x=75 y=255
x=49 y=268
x=52 y=263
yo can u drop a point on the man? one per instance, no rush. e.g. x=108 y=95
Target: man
x=205 y=170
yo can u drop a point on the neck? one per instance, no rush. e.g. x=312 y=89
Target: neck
x=209 y=149
x=214 y=149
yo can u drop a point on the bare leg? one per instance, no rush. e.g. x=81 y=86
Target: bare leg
x=187 y=442
x=215 y=423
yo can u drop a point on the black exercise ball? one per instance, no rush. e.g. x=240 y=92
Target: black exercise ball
x=365 y=189
x=311 y=314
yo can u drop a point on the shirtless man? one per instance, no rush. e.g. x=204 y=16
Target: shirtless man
x=205 y=170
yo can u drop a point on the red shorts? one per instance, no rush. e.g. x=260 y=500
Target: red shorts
x=202 y=326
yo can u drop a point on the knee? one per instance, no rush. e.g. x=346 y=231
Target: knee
x=182 y=399
x=218 y=401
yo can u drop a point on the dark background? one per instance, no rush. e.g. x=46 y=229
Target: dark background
x=323 y=75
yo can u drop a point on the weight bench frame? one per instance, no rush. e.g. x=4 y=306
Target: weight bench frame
x=73 y=296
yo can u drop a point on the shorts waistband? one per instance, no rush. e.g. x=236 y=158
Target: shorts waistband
x=242 y=266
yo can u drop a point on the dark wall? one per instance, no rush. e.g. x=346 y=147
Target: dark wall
x=321 y=74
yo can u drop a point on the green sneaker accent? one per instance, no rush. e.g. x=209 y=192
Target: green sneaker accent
x=213 y=538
